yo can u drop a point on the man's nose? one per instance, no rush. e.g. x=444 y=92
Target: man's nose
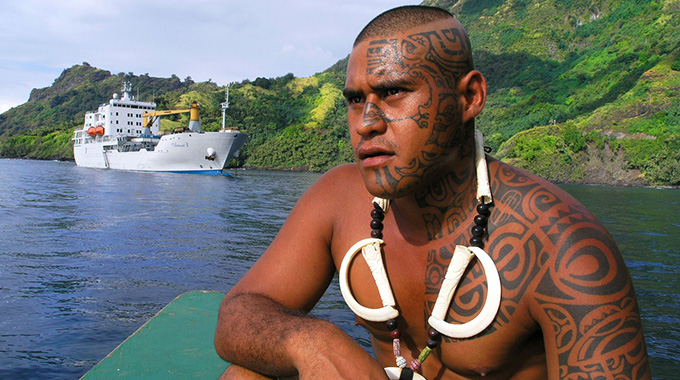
x=373 y=121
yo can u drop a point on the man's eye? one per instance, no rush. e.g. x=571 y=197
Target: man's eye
x=354 y=100
x=393 y=91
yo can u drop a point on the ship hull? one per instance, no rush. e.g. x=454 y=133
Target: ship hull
x=187 y=152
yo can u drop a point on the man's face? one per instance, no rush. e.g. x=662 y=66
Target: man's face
x=403 y=106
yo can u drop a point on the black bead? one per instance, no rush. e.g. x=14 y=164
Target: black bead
x=391 y=324
x=376 y=224
x=377 y=214
x=433 y=334
x=376 y=234
x=477 y=242
x=406 y=374
x=477 y=231
x=481 y=220
x=432 y=343
x=483 y=209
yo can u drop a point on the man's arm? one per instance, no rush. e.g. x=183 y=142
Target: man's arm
x=586 y=305
x=262 y=323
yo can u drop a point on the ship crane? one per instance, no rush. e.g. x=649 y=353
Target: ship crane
x=194 y=117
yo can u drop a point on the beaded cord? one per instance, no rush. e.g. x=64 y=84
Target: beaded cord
x=478 y=231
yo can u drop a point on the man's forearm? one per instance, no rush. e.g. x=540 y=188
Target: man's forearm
x=256 y=332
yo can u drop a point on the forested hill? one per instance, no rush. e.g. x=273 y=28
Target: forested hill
x=579 y=91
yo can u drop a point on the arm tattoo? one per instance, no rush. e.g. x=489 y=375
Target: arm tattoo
x=556 y=255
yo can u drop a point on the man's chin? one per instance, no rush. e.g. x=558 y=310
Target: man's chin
x=377 y=186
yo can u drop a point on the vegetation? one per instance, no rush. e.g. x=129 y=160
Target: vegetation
x=579 y=91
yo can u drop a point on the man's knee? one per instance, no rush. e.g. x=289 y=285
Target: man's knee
x=235 y=372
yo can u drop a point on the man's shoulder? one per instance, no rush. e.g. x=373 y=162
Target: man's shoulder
x=516 y=188
x=343 y=172
x=337 y=184
x=339 y=177
x=546 y=223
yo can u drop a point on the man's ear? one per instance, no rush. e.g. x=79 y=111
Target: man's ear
x=472 y=94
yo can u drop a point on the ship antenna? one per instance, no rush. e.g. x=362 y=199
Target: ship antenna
x=225 y=105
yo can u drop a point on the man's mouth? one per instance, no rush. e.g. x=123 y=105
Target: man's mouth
x=372 y=156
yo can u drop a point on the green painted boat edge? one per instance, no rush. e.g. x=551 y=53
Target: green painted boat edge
x=176 y=343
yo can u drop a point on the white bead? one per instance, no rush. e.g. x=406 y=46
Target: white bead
x=383 y=203
x=401 y=362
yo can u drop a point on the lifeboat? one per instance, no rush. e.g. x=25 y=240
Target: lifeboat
x=91 y=131
x=99 y=130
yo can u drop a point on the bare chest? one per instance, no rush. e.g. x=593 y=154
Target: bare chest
x=415 y=275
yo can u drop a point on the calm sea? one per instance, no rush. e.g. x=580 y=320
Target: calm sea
x=87 y=256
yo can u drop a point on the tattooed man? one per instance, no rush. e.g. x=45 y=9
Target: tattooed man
x=567 y=308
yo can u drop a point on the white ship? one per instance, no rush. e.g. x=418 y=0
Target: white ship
x=125 y=134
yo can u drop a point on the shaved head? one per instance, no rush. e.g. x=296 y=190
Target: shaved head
x=401 y=19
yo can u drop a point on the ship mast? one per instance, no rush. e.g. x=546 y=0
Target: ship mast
x=225 y=105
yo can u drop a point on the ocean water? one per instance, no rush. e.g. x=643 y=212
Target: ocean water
x=87 y=256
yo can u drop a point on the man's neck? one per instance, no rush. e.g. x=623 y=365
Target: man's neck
x=439 y=209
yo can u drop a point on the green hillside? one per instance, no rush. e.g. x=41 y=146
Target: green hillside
x=293 y=123
x=579 y=91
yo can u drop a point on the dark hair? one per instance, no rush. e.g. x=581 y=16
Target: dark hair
x=401 y=18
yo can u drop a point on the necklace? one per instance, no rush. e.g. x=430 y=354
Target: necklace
x=371 y=250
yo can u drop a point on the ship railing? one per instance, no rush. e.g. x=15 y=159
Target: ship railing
x=77 y=138
x=87 y=139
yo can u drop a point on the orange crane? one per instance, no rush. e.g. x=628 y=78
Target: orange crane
x=151 y=117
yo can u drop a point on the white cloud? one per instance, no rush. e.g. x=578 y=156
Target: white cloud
x=224 y=41
x=5 y=106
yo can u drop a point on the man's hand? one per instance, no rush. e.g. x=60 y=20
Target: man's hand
x=274 y=341
x=331 y=354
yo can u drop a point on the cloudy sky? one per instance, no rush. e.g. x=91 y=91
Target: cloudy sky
x=225 y=41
